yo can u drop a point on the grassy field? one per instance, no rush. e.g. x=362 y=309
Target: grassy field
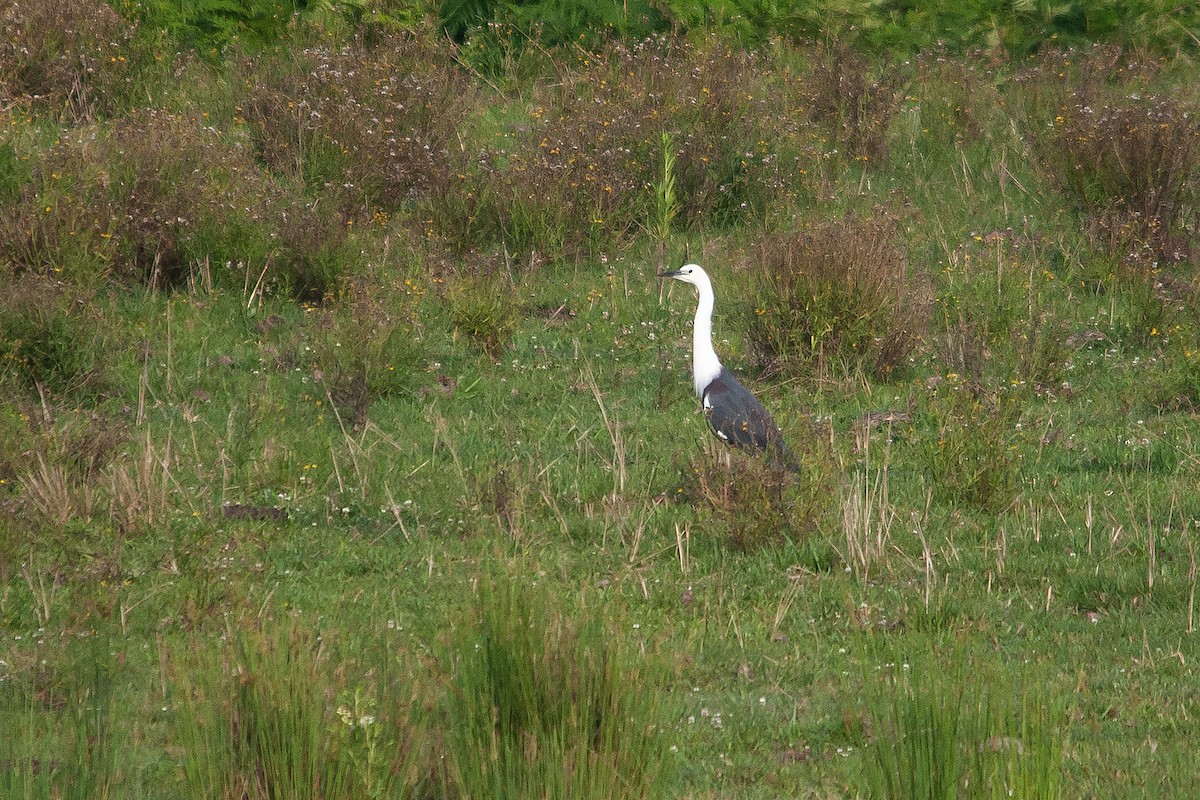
x=348 y=447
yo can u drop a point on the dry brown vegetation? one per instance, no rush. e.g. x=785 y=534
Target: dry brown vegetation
x=1128 y=156
x=68 y=57
x=834 y=297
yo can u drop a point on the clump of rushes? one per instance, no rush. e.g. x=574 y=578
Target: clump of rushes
x=485 y=312
x=541 y=703
x=64 y=740
x=936 y=736
x=835 y=297
x=253 y=721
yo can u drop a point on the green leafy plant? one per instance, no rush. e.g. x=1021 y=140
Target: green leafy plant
x=380 y=737
x=485 y=312
x=211 y=26
x=666 y=202
x=969 y=455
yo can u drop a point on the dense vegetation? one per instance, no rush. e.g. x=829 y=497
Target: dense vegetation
x=347 y=443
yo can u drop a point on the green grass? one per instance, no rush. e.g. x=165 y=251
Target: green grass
x=405 y=494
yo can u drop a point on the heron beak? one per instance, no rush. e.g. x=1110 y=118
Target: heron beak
x=672 y=274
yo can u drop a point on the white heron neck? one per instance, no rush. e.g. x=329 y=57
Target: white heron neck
x=705 y=364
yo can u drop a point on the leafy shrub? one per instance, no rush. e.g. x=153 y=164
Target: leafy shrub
x=141 y=201
x=497 y=35
x=1010 y=30
x=150 y=198
x=1128 y=157
x=837 y=295
x=65 y=56
x=183 y=191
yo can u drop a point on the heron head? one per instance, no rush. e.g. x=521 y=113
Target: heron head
x=688 y=273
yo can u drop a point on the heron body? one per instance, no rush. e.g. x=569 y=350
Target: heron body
x=736 y=415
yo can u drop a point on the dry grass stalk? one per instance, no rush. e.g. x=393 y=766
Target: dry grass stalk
x=140 y=487
x=55 y=495
x=867 y=516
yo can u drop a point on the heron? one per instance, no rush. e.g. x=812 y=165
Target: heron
x=736 y=415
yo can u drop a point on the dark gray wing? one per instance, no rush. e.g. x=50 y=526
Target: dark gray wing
x=738 y=418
